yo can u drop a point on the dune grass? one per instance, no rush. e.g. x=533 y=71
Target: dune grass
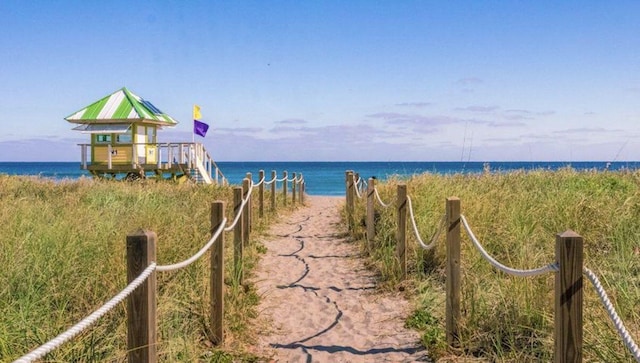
x=63 y=256
x=516 y=216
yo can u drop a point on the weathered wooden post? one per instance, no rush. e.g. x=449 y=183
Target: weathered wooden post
x=301 y=189
x=401 y=236
x=261 y=193
x=284 y=187
x=250 y=204
x=293 y=189
x=350 y=200
x=568 y=298
x=346 y=182
x=238 y=231
x=246 y=213
x=371 y=213
x=273 y=190
x=453 y=270
x=217 y=274
x=141 y=304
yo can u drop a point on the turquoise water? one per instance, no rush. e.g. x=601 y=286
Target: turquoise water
x=323 y=178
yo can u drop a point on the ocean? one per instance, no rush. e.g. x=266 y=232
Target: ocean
x=325 y=178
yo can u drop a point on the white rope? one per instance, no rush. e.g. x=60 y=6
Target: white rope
x=383 y=204
x=271 y=181
x=622 y=331
x=281 y=179
x=89 y=320
x=415 y=228
x=357 y=192
x=260 y=182
x=501 y=267
x=237 y=217
x=356 y=186
x=434 y=239
x=192 y=259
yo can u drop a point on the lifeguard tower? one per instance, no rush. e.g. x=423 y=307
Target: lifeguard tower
x=123 y=143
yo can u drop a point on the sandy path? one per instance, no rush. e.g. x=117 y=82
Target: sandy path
x=320 y=301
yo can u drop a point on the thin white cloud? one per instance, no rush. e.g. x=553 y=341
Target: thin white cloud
x=508 y=140
x=586 y=130
x=541 y=137
x=531 y=113
x=414 y=104
x=481 y=109
x=287 y=129
x=506 y=124
x=292 y=121
x=469 y=80
x=240 y=129
x=394 y=118
x=526 y=112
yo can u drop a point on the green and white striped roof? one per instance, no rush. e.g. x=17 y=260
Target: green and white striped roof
x=121 y=106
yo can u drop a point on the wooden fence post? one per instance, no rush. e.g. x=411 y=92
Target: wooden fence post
x=238 y=231
x=246 y=212
x=274 y=175
x=301 y=189
x=293 y=190
x=250 y=204
x=350 y=200
x=371 y=213
x=346 y=182
x=568 y=298
x=141 y=304
x=261 y=193
x=217 y=274
x=284 y=187
x=401 y=236
x=453 y=270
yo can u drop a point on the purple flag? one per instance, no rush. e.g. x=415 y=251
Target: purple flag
x=200 y=128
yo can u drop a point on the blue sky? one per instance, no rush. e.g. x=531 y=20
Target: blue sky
x=333 y=80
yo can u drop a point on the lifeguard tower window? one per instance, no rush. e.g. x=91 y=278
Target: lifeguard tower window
x=124 y=138
x=103 y=139
x=151 y=135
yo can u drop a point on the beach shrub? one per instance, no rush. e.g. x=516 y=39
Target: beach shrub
x=63 y=256
x=516 y=216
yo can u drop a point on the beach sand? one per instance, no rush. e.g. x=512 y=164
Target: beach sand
x=320 y=302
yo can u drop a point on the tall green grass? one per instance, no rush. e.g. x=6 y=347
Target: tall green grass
x=63 y=256
x=516 y=216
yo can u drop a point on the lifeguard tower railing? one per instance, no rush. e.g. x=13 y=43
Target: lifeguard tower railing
x=191 y=159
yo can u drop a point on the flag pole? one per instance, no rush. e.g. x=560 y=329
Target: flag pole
x=193 y=123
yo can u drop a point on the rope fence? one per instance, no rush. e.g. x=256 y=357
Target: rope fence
x=141 y=269
x=567 y=267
